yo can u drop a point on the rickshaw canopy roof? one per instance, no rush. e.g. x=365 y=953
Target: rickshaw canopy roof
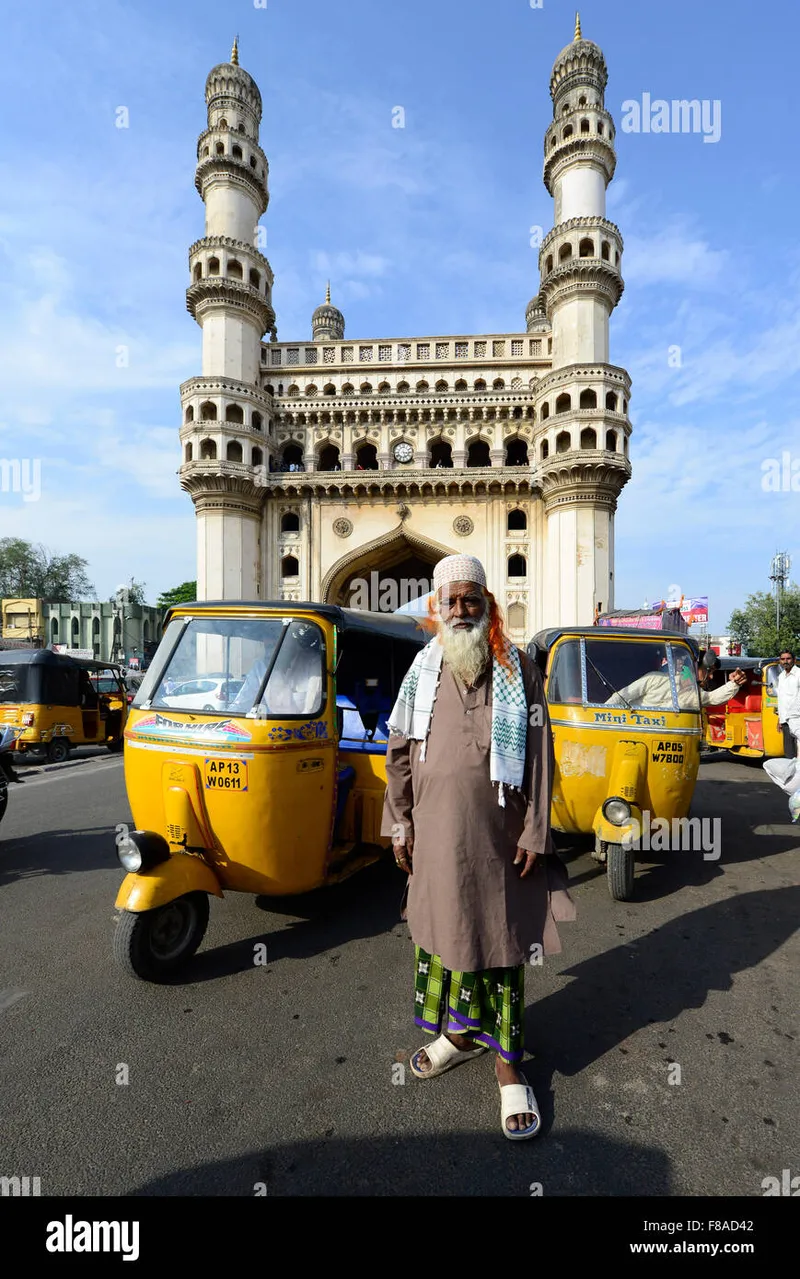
x=744 y=663
x=46 y=657
x=547 y=638
x=401 y=626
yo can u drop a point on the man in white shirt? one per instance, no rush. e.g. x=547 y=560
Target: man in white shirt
x=789 y=703
x=655 y=691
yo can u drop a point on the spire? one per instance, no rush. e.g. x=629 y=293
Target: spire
x=577 y=35
x=328 y=293
x=235 y=52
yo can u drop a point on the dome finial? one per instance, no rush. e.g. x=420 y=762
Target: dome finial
x=328 y=292
x=577 y=35
x=235 y=52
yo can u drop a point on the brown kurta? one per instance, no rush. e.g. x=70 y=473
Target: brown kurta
x=466 y=901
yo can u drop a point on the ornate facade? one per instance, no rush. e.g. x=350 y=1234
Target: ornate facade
x=319 y=465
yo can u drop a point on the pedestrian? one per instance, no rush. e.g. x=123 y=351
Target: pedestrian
x=469 y=770
x=788 y=686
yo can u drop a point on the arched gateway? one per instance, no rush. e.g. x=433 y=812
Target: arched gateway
x=384 y=573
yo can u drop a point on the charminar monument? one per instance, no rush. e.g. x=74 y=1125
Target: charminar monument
x=341 y=468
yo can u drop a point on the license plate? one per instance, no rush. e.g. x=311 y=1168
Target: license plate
x=226 y=774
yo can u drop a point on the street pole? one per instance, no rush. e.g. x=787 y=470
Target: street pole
x=779 y=574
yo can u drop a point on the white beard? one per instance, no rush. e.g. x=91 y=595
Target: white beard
x=466 y=652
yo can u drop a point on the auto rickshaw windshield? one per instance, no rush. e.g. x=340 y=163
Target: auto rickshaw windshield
x=624 y=673
x=255 y=667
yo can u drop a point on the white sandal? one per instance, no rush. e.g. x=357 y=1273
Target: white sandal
x=518 y=1099
x=443 y=1055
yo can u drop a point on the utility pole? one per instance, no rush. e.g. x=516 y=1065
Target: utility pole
x=779 y=574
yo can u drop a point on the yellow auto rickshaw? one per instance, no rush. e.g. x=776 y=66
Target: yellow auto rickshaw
x=255 y=761
x=57 y=702
x=625 y=712
x=747 y=724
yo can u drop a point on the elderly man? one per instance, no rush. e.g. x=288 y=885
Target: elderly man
x=469 y=778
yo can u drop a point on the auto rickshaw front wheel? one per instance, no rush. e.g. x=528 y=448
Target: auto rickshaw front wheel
x=58 y=750
x=619 y=869
x=153 y=944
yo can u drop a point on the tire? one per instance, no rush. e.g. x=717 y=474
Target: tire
x=153 y=944
x=619 y=865
x=58 y=750
x=3 y=797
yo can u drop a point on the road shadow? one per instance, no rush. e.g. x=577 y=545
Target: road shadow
x=366 y=905
x=655 y=978
x=577 y=1162
x=57 y=852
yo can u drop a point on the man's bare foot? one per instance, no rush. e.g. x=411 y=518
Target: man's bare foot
x=423 y=1062
x=508 y=1074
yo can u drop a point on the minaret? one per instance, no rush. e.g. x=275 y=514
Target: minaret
x=226 y=416
x=582 y=403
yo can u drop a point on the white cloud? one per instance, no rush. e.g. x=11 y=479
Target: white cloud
x=672 y=256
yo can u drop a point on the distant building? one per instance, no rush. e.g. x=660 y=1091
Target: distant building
x=22 y=623
x=110 y=631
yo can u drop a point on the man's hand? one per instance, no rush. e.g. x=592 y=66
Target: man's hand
x=403 y=847
x=739 y=677
x=526 y=860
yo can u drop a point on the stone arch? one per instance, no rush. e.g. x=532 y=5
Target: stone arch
x=383 y=552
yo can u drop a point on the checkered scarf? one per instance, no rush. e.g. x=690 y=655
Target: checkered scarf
x=411 y=716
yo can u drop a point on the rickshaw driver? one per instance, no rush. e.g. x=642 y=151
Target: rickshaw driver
x=655 y=690
x=294 y=686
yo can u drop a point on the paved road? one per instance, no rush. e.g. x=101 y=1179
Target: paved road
x=283 y=1074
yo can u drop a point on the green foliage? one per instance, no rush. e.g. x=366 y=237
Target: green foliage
x=135 y=593
x=29 y=571
x=186 y=593
x=755 y=625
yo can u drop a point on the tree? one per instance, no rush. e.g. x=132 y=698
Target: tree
x=186 y=593
x=29 y=571
x=755 y=625
x=135 y=592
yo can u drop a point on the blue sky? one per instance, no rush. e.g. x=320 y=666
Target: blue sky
x=422 y=230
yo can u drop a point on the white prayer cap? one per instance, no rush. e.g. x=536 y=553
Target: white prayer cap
x=458 y=568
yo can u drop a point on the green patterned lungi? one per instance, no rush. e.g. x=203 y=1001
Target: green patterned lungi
x=488 y=1006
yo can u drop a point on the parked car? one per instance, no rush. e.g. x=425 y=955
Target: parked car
x=132 y=683
x=209 y=694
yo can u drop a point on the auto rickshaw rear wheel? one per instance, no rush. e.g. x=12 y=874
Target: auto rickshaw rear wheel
x=620 y=871
x=152 y=944
x=58 y=750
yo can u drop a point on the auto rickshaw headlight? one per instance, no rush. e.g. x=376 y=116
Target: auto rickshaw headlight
x=617 y=811
x=140 y=850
